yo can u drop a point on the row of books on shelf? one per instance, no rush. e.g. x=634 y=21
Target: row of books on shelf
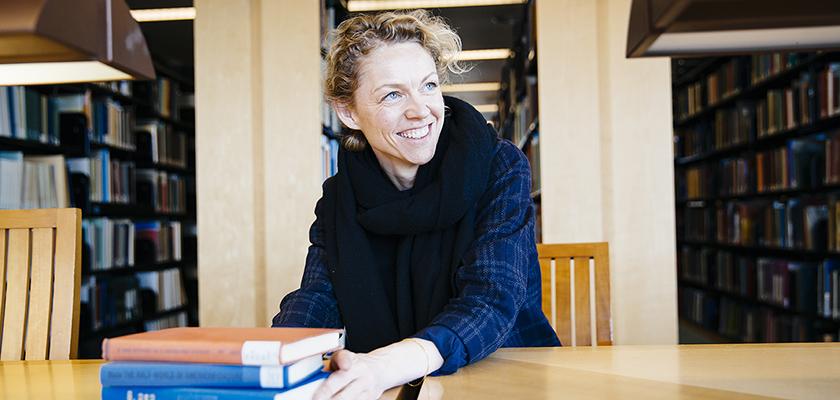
x=125 y=88
x=163 y=94
x=807 y=287
x=518 y=106
x=32 y=181
x=41 y=182
x=329 y=156
x=517 y=116
x=329 y=119
x=110 y=180
x=800 y=223
x=173 y=321
x=518 y=100
x=765 y=66
x=126 y=299
x=745 y=322
x=809 y=98
x=167 y=286
x=160 y=144
x=734 y=76
x=520 y=116
x=532 y=151
x=112 y=123
x=165 y=192
x=810 y=162
x=122 y=243
x=27 y=114
x=731 y=126
x=150 y=141
x=727 y=80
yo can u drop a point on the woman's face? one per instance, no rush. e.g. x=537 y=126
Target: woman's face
x=398 y=105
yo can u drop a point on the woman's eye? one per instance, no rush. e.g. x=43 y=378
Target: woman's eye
x=431 y=85
x=391 y=96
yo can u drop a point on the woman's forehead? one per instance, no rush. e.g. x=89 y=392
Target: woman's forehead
x=399 y=61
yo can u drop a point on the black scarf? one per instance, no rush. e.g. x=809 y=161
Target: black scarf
x=393 y=254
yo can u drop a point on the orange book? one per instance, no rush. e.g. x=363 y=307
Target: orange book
x=240 y=346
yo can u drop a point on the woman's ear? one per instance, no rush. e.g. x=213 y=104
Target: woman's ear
x=346 y=115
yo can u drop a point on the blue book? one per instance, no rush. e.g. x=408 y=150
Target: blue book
x=127 y=373
x=304 y=391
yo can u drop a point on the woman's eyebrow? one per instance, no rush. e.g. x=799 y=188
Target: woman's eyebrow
x=400 y=84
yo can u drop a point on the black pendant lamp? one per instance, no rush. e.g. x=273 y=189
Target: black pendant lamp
x=65 y=41
x=722 y=27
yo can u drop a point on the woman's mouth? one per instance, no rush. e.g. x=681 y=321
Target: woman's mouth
x=417 y=133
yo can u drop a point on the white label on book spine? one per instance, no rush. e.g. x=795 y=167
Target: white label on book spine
x=260 y=352
x=271 y=377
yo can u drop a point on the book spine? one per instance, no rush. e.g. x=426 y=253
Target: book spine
x=175 y=351
x=174 y=374
x=305 y=390
x=236 y=353
x=165 y=393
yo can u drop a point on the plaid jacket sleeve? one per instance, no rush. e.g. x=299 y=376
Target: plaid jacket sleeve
x=493 y=280
x=314 y=304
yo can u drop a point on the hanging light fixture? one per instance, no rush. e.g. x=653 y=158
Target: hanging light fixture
x=720 y=27
x=65 y=41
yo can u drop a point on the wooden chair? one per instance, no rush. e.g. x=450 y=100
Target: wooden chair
x=576 y=292
x=40 y=264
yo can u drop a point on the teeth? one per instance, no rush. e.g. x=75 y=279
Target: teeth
x=418 y=133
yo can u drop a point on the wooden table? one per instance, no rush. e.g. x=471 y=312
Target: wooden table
x=807 y=371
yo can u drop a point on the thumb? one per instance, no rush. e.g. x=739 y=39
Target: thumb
x=341 y=360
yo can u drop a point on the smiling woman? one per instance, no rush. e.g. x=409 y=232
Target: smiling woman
x=423 y=246
x=398 y=107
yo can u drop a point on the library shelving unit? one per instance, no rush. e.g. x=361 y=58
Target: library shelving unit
x=757 y=178
x=332 y=13
x=518 y=116
x=122 y=152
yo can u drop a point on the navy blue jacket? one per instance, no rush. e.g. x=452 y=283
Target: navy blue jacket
x=499 y=288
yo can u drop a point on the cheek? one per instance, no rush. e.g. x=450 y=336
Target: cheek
x=387 y=120
x=437 y=109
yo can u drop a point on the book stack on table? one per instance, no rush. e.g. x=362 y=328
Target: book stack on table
x=217 y=363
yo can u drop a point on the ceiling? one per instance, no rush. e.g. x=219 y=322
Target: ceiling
x=171 y=43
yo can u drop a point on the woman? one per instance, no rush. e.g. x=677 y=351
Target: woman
x=423 y=246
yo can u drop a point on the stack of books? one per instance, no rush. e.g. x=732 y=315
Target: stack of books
x=217 y=363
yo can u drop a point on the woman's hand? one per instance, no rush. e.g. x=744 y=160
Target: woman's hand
x=368 y=375
x=355 y=376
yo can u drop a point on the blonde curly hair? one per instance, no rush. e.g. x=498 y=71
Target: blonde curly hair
x=356 y=37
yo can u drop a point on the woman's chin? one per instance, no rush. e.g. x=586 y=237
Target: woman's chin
x=416 y=156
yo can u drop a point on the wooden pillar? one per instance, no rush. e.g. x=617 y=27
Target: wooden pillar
x=257 y=148
x=607 y=158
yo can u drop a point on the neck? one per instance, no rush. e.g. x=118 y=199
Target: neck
x=401 y=174
x=403 y=180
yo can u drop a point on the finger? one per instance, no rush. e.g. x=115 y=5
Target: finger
x=343 y=359
x=334 y=383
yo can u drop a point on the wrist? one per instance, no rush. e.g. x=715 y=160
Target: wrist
x=405 y=361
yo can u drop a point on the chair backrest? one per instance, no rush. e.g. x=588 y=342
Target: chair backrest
x=576 y=292
x=40 y=266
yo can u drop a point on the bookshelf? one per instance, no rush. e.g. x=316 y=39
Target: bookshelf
x=756 y=144
x=518 y=116
x=332 y=12
x=123 y=152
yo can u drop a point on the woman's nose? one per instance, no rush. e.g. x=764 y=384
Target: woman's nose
x=416 y=108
